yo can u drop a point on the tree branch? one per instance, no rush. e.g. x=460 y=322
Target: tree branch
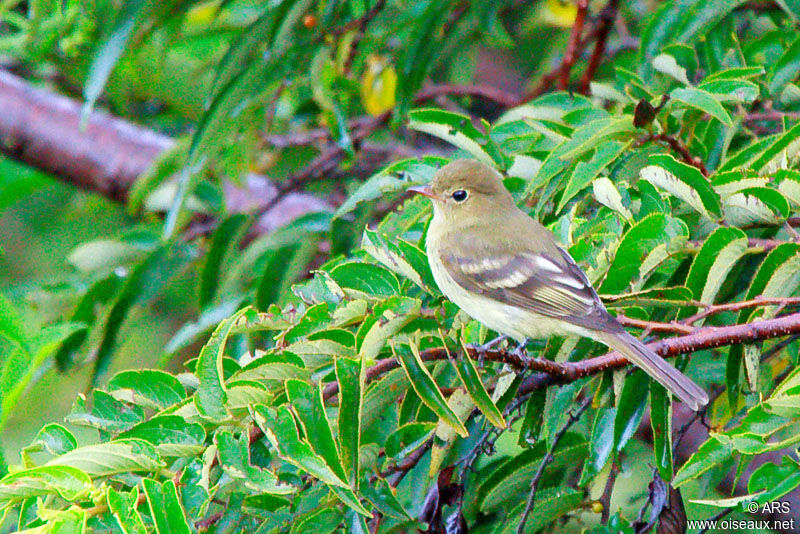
x=572 y=52
x=42 y=129
x=604 y=23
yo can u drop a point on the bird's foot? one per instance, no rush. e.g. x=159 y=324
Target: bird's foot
x=481 y=350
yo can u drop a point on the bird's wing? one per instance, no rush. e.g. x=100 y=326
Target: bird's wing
x=555 y=288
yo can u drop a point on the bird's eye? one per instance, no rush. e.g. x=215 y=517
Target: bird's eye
x=459 y=195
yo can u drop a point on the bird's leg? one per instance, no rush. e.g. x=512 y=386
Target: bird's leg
x=519 y=352
x=483 y=349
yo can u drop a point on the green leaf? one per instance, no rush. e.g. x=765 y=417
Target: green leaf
x=386 y=320
x=383 y=497
x=11 y=324
x=781 y=147
x=786 y=69
x=459 y=131
x=703 y=101
x=234 y=459
x=717 y=449
x=661 y=424
x=402 y=257
x=637 y=242
x=511 y=478
x=789 y=185
x=408 y=438
x=736 y=91
x=104 y=459
x=632 y=402
x=586 y=171
x=351 y=376
x=172 y=435
x=279 y=427
x=756 y=205
x=685 y=182
x=774 y=481
x=211 y=397
x=108 y=414
x=550 y=505
x=122 y=506
x=70 y=483
x=150 y=388
x=423 y=383
x=224 y=241
x=396 y=178
x=310 y=409
x=110 y=50
x=471 y=379
x=144 y=282
x=534 y=414
x=322 y=521
x=778 y=274
x=53 y=438
x=165 y=507
x=602 y=442
x=365 y=280
x=718 y=255
x=594 y=133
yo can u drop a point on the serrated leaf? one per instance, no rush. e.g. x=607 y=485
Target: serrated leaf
x=637 y=242
x=352 y=382
x=388 y=318
x=104 y=459
x=365 y=280
x=172 y=435
x=703 y=101
x=424 y=385
x=459 y=131
x=685 y=182
x=234 y=459
x=69 y=482
x=147 y=387
x=310 y=409
x=756 y=205
x=165 y=507
x=632 y=402
x=586 y=171
x=786 y=69
x=719 y=253
x=122 y=506
x=661 y=425
x=471 y=379
x=211 y=397
x=594 y=133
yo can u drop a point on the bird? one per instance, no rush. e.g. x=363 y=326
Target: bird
x=505 y=270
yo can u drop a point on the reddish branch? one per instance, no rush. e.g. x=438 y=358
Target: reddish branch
x=682 y=150
x=573 y=46
x=701 y=339
x=604 y=24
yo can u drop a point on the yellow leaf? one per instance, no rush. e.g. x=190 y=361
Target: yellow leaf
x=378 y=85
x=559 y=13
x=202 y=14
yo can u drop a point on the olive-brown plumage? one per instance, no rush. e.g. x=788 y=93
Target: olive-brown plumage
x=505 y=269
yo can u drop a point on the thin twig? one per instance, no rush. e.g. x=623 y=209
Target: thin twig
x=573 y=46
x=676 y=145
x=744 y=304
x=361 y=27
x=550 y=371
x=603 y=28
x=608 y=490
x=548 y=458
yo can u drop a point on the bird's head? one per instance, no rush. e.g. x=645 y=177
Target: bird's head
x=466 y=189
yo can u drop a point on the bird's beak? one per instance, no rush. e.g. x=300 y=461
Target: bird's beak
x=424 y=190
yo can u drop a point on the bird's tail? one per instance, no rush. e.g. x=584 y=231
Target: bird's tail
x=654 y=365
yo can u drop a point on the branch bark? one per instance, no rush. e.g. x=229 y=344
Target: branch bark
x=42 y=129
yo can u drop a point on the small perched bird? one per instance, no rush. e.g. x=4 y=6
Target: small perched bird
x=505 y=270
